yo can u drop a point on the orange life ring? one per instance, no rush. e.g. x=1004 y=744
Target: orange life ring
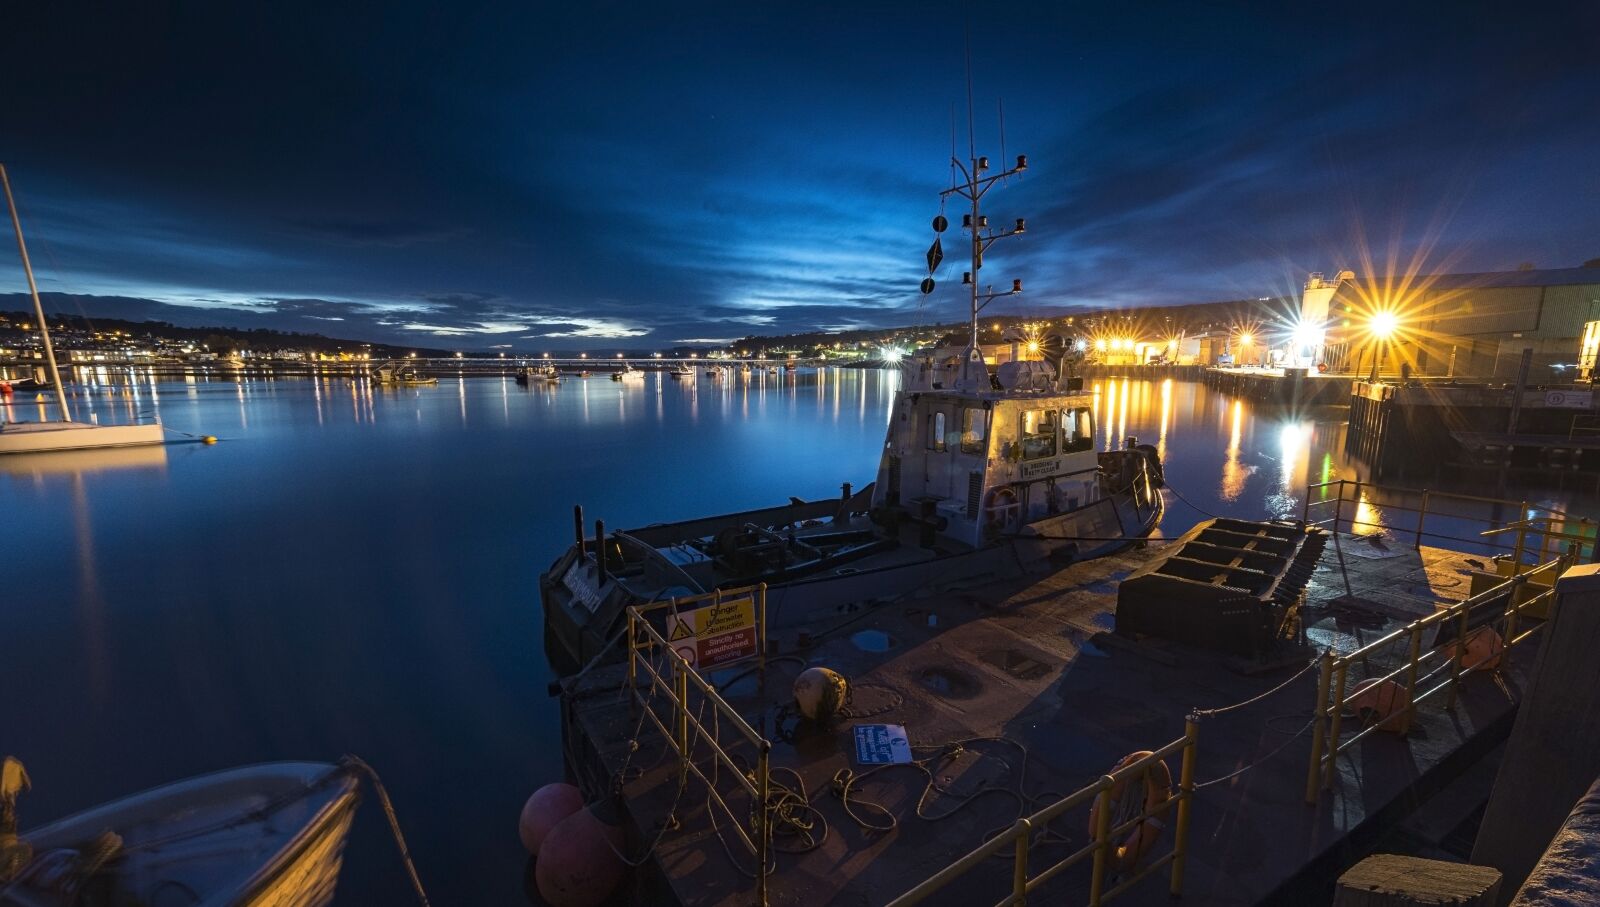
x=1000 y=508
x=1142 y=837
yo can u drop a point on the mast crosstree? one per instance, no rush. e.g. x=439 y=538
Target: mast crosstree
x=976 y=183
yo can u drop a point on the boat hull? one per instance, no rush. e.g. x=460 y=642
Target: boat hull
x=40 y=437
x=262 y=836
x=582 y=611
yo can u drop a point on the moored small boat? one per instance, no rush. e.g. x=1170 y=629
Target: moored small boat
x=271 y=834
x=64 y=433
x=401 y=376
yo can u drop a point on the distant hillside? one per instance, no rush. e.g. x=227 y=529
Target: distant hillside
x=217 y=339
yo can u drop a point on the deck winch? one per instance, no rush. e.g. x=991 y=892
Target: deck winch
x=1229 y=585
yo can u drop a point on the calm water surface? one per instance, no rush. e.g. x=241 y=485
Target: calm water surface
x=355 y=570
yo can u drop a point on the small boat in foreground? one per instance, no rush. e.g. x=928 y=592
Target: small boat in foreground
x=681 y=371
x=627 y=374
x=270 y=834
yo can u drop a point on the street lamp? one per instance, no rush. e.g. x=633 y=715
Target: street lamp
x=1382 y=326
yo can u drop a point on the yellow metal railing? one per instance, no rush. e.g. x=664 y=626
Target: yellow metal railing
x=1443 y=666
x=1554 y=526
x=1017 y=837
x=677 y=683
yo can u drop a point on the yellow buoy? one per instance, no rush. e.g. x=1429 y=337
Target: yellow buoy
x=819 y=693
x=208 y=439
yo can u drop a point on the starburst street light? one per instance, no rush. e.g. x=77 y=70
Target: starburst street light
x=1383 y=325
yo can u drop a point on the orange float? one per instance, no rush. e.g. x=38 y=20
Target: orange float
x=1484 y=648
x=1142 y=837
x=1384 y=702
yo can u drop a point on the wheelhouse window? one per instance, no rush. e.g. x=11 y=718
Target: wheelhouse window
x=1077 y=430
x=1038 y=433
x=936 y=431
x=974 y=431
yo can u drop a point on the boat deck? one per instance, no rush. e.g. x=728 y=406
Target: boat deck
x=1031 y=662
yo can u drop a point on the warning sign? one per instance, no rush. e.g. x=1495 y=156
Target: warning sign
x=1569 y=399
x=714 y=635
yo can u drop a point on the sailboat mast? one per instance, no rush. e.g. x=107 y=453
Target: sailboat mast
x=38 y=307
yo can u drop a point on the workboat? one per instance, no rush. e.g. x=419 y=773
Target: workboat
x=681 y=371
x=627 y=374
x=265 y=834
x=528 y=375
x=60 y=434
x=985 y=474
x=395 y=375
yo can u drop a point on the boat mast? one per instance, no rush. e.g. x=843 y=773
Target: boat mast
x=975 y=184
x=38 y=307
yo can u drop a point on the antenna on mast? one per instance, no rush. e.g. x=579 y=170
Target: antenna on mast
x=972 y=143
x=1002 y=103
x=975 y=182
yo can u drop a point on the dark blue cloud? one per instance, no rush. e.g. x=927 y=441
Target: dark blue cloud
x=601 y=174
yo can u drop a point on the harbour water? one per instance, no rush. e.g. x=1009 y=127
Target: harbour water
x=353 y=569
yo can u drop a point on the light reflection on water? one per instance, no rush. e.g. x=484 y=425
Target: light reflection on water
x=353 y=568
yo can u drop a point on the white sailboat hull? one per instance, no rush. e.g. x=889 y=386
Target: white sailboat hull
x=38 y=437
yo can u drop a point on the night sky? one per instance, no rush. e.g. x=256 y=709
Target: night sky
x=633 y=176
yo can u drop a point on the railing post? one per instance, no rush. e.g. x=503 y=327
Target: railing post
x=1411 y=673
x=1019 y=867
x=1422 y=515
x=1461 y=650
x=1338 y=548
x=680 y=723
x=761 y=646
x=1319 y=729
x=1513 y=610
x=1342 y=671
x=1522 y=537
x=763 y=830
x=633 y=655
x=1180 y=839
x=1102 y=839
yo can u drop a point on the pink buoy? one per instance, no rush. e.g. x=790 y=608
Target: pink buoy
x=546 y=809
x=579 y=866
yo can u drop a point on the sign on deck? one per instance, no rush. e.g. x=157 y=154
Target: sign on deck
x=882 y=744
x=716 y=634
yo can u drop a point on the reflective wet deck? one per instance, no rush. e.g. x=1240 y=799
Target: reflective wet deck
x=1026 y=663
